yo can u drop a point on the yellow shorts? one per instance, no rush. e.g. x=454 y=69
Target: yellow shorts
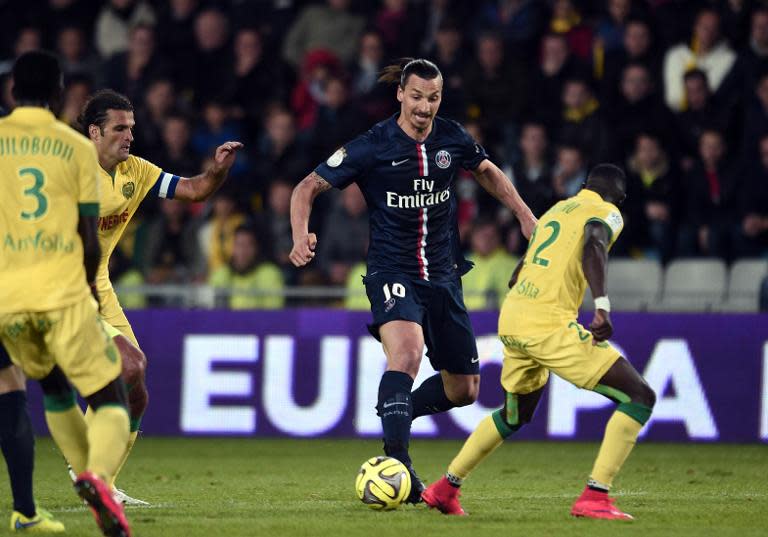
x=72 y=337
x=568 y=352
x=114 y=316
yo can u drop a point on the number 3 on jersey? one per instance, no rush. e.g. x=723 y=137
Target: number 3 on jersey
x=554 y=225
x=34 y=191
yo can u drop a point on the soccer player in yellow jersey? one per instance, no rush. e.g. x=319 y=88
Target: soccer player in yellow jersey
x=538 y=327
x=49 y=321
x=125 y=180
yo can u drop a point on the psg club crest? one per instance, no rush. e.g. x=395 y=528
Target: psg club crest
x=443 y=159
x=128 y=189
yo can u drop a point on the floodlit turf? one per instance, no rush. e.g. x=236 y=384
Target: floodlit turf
x=232 y=488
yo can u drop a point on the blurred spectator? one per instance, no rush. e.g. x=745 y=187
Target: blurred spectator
x=735 y=16
x=582 y=122
x=638 y=47
x=707 y=51
x=309 y=92
x=337 y=121
x=711 y=192
x=332 y=27
x=159 y=100
x=175 y=154
x=176 y=30
x=701 y=113
x=532 y=174
x=76 y=58
x=569 y=173
x=437 y=13
x=752 y=62
x=485 y=286
x=276 y=221
x=77 y=91
x=217 y=234
x=609 y=35
x=449 y=56
x=345 y=235
x=496 y=91
x=755 y=121
x=6 y=99
x=400 y=26
x=371 y=97
x=114 y=22
x=278 y=152
x=555 y=67
x=215 y=129
x=123 y=274
x=212 y=70
x=520 y=23
x=258 y=81
x=640 y=110
x=28 y=38
x=567 y=20
x=248 y=272
x=752 y=237
x=172 y=253
x=131 y=71
x=356 y=299
x=652 y=199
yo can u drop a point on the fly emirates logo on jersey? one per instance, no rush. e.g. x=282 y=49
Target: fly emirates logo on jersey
x=424 y=196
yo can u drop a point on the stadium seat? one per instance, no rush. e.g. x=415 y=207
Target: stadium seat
x=633 y=285
x=693 y=285
x=744 y=284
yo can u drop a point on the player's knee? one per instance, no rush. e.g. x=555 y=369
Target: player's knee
x=113 y=393
x=134 y=362
x=407 y=359
x=465 y=392
x=646 y=396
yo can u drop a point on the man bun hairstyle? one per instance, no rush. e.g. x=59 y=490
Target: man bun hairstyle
x=95 y=110
x=398 y=73
x=37 y=77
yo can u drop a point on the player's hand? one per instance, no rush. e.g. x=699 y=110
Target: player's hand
x=527 y=224
x=601 y=327
x=303 y=250
x=224 y=157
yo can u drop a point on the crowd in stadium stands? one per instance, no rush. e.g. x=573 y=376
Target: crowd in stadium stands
x=674 y=91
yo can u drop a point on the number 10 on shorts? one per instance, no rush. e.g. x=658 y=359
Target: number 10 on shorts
x=398 y=290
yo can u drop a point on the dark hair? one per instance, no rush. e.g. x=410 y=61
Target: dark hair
x=696 y=73
x=401 y=71
x=606 y=176
x=37 y=77
x=95 y=110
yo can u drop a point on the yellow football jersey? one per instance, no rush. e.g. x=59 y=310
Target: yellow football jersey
x=551 y=284
x=49 y=176
x=121 y=195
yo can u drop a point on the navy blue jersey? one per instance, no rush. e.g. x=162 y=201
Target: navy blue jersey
x=407 y=185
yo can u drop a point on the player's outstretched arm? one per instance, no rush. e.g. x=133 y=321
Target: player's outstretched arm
x=303 y=196
x=593 y=263
x=202 y=186
x=87 y=229
x=492 y=179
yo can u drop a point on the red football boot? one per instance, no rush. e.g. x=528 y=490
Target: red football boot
x=444 y=497
x=596 y=504
x=108 y=513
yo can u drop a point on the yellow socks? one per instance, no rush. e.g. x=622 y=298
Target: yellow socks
x=620 y=437
x=108 y=438
x=68 y=429
x=131 y=440
x=481 y=443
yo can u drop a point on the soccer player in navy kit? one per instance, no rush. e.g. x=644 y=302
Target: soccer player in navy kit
x=405 y=167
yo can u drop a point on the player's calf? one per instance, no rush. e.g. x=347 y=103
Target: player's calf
x=134 y=374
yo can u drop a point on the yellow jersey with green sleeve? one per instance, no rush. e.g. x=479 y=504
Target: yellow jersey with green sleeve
x=551 y=283
x=49 y=177
x=133 y=180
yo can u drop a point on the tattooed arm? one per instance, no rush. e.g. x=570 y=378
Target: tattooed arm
x=302 y=198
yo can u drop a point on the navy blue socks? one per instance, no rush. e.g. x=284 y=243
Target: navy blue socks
x=18 y=445
x=430 y=398
x=396 y=411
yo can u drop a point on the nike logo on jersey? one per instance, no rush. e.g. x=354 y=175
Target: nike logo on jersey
x=475 y=360
x=387 y=405
x=399 y=162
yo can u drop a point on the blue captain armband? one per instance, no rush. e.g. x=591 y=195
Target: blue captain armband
x=165 y=186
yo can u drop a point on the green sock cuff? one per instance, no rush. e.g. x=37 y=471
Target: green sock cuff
x=59 y=402
x=612 y=393
x=640 y=413
x=135 y=423
x=504 y=429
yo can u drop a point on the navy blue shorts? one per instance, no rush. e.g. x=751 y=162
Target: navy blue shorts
x=5 y=359
x=438 y=307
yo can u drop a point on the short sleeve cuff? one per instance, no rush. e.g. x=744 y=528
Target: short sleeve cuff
x=88 y=208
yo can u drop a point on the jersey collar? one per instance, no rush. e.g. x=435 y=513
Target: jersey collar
x=400 y=132
x=589 y=194
x=32 y=114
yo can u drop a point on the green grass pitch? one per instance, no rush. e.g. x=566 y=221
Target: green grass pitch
x=233 y=488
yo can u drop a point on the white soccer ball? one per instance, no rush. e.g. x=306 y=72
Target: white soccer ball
x=383 y=483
